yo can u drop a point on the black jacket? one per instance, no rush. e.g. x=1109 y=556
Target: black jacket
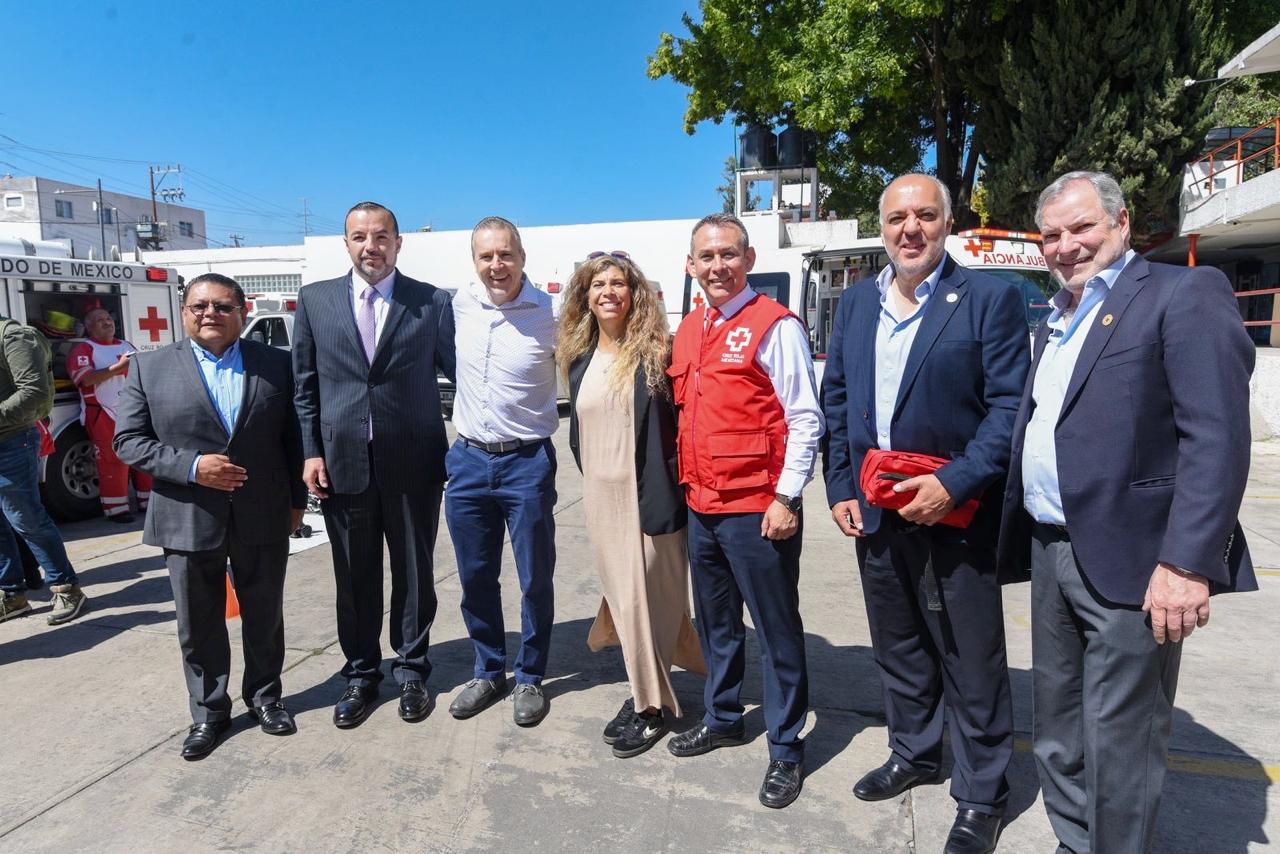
x=662 y=505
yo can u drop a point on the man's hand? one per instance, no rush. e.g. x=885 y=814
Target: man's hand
x=778 y=523
x=120 y=365
x=316 y=476
x=295 y=519
x=1177 y=601
x=848 y=517
x=216 y=471
x=932 y=501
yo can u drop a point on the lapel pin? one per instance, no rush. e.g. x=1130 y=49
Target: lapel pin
x=1106 y=321
x=953 y=296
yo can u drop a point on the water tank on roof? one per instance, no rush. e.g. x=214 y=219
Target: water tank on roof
x=797 y=147
x=759 y=148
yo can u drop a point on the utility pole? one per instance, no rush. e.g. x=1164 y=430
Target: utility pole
x=152 y=172
x=306 y=229
x=102 y=226
x=235 y=239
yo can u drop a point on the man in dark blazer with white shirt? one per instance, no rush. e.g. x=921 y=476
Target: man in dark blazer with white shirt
x=929 y=358
x=366 y=352
x=1129 y=463
x=211 y=419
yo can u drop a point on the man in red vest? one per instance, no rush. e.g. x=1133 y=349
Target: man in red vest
x=748 y=436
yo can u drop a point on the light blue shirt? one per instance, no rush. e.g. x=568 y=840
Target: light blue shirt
x=894 y=337
x=1067 y=334
x=224 y=383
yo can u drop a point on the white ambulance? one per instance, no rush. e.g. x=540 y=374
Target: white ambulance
x=43 y=287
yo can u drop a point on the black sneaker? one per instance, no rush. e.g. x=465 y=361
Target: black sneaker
x=642 y=733
x=614 y=728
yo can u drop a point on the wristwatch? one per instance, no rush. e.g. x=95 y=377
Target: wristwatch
x=791 y=502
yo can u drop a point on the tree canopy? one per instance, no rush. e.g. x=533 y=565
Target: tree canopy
x=1031 y=87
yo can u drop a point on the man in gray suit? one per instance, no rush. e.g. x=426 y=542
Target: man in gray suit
x=211 y=419
x=367 y=347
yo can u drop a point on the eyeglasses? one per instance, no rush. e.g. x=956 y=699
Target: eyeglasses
x=200 y=308
x=616 y=253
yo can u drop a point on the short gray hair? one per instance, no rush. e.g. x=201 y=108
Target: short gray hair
x=497 y=223
x=1107 y=188
x=720 y=220
x=943 y=193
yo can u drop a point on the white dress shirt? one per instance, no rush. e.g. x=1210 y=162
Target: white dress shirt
x=894 y=338
x=784 y=356
x=381 y=302
x=506 y=385
x=1067 y=333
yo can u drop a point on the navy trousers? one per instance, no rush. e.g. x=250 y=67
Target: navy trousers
x=952 y=659
x=733 y=565
x=486 y=493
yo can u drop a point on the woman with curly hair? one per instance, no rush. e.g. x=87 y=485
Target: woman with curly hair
x=614 y=348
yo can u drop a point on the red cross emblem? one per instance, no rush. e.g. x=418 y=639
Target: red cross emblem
x=973 y=247
x=698 y=301
x=738 y=338
x=153 y=323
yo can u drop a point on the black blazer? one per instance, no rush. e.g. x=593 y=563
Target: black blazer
x=1153 y=437
x=338 y=391
x=958 y=396
x=662 y=505
x=165 y=418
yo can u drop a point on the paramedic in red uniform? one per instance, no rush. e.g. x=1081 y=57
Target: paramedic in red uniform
x=98 y=366
x=748 y=434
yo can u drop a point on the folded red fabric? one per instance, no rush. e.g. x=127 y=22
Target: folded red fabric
x=882 y=470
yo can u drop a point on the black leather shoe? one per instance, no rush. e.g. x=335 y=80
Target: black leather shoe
x=891 y=780
x=781 y=783
x=478 y=695
x=354 y=706
x=202 y=738
x=973 y=833
x=415 y=702
x=274 y=719
x=701 y=739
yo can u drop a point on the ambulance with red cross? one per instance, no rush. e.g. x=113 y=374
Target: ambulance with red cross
x=42 y=286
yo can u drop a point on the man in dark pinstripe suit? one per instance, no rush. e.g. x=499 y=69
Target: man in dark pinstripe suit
x=366 y=350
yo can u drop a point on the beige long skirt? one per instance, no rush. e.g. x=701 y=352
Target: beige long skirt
x=645 y=579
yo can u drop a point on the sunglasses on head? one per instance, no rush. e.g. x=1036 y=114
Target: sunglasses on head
x=616 y=253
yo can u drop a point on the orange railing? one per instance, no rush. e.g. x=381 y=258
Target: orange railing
x=1259 y=293
x=1233 y=157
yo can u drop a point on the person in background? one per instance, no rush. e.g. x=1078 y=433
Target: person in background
x=26 y=396
x=98 y=367
x=614 y=349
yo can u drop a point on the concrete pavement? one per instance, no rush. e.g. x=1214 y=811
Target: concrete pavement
x=93 y=714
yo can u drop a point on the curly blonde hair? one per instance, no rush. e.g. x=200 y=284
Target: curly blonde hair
x=646 y=337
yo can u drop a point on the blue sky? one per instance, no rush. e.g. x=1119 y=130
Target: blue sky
x=445 y=112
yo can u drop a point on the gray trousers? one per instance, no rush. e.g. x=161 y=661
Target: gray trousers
x=199 y=599
x=1103 y=707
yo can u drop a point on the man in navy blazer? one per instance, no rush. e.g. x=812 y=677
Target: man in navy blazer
x=930 y=358
x=366 y=351
x=1130 y=457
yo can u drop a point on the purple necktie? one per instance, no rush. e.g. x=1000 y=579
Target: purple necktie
x=367 y=322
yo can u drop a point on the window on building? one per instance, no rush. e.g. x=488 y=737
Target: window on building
x=62 y=209
x=13 y=202
x=186 y=229
x=107 y=216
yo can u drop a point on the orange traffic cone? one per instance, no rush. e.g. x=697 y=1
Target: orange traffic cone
x=233 y=604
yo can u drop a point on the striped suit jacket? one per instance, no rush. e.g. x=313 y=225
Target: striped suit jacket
x=338 y=391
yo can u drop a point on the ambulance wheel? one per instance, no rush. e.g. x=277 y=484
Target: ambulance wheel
x=71 y=477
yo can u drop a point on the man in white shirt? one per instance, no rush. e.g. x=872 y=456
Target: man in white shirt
x=502 y=468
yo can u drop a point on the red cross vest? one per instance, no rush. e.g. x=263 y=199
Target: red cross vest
x=732 y=435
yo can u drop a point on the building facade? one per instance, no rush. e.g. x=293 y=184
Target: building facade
x=33 y=208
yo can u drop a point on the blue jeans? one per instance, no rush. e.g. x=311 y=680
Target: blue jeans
x=20 y=501
x=485 y=492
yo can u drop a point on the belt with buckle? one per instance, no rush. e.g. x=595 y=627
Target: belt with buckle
x=498 y=447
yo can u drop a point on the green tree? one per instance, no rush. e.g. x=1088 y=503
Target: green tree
x=729 y=189
x=879 y=82
x=1247 y=102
